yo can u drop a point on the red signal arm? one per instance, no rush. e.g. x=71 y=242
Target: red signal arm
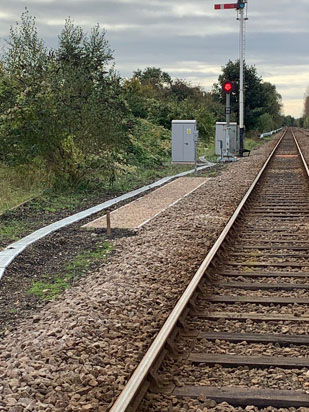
x=226 y=6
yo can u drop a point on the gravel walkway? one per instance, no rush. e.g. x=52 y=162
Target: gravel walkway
x=137 y=213
x=77 y=353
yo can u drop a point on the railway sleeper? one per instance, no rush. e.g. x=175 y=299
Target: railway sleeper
x=250 y=361
x=239 y=396
x=266 y=264
x=262 y=286
x=282 y=340
x=257 y=317
x=260 y=300
x=259 y=274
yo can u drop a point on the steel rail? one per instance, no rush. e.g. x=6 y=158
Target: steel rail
x=301 y=154
x=130 y=391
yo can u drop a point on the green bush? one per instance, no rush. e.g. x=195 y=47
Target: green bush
x=306 y=123
x=58 y=105
x=265 y=123
x=150 y=144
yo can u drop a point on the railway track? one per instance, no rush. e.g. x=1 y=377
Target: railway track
x=239 y=334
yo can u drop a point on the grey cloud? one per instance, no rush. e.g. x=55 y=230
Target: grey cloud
x=177 y=32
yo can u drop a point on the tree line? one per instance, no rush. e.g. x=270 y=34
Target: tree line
x=306 y=110
x=68 y=110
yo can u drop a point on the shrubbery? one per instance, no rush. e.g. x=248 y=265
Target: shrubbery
x=61 y=106
x=150 y=144
x=68 y=111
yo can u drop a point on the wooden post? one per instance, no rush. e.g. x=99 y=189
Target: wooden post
x=108 y=223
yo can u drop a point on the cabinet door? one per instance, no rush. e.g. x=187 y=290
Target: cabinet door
x=177 y=143
x=188 y=141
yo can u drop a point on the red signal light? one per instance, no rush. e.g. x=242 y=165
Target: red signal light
x=228 y=87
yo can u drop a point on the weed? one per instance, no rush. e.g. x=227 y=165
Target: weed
x=51 y=209
x=19 y=184
x=50 y=290
x=52 y=287
x=143 y=176
x=252 y=144
x=84 y=260
x=53 y=202
x=212 y=173
x=208 y=151
x=11 y=230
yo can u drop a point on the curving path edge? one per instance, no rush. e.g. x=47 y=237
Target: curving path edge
x=8 y=254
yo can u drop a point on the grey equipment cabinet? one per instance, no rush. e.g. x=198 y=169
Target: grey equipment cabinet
x=183 y=145
x=221 y=138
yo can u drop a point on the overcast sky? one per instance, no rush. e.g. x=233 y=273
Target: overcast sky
x=188 y=39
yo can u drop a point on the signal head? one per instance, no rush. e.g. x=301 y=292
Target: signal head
x=228 y=87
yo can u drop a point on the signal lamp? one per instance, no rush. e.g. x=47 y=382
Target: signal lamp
x=228 y=87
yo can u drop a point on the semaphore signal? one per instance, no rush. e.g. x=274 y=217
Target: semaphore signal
x=226 y=6
x=240 y=7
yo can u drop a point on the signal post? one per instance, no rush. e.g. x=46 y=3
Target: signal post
x=240 y=7
x=227 y=88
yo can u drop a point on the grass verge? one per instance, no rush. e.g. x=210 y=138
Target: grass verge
x=19 y=184
x=51 y=205
x=208 y=150
x=11 y=230
x=70 y=199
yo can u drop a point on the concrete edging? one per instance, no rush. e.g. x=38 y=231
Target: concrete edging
x=8 y=254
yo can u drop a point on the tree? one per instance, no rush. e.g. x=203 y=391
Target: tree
x=289 y=121
x=306 y=122
x=272 y=103
x=306 y=104
x=136 y=97
x=300 y=122
x=260 y=97
x=64 y=109
x=154 y=96
x=154 y=77
x=265 y=123
x=306 y=109
x=25 y=65
x=181 y=90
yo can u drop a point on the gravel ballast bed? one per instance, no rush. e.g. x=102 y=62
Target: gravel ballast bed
x=267 y=280
x=166 y=403
x=249 y=326
x=271 y=378
x=245 y=349
x=298 y=310
x=78 y=352
x=303 y=139
x=300 y=293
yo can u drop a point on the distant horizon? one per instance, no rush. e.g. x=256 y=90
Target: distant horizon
x=189 y=41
